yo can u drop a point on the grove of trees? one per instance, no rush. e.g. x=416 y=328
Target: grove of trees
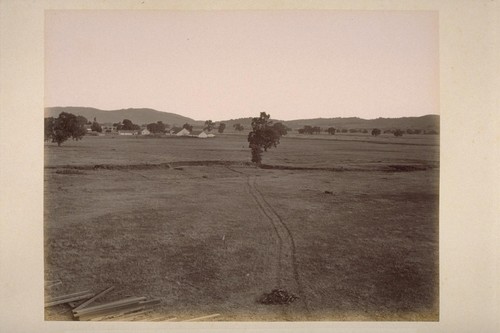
x=331 y=130
x=158 y=127
x=308 y=129
x=238 y=127
x=127 y=125
x=263 y=136
x=376 y=132
x=398 y=132
x=65 y=126
x=209 y=125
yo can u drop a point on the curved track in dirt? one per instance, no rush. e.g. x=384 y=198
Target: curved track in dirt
x=287 y=271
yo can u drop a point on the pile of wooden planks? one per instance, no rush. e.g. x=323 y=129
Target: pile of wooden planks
x=125 y=308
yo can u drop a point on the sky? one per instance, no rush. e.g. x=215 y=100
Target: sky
x=224 y=65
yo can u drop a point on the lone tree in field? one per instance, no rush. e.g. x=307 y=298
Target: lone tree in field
x=66 y=126
x=376 y=132
x=221 y=128
x=262 y=137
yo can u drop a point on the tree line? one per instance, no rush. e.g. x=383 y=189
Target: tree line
x=308 y=129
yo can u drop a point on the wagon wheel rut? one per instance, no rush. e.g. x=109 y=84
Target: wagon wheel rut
x=287 y=271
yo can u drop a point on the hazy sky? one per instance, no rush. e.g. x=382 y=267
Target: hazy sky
x=229 y=64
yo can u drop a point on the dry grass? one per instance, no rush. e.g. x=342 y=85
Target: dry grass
x=368 y=250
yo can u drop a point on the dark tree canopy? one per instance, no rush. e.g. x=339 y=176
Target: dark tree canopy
x=398 y=132
x=209 y=125
x=282 y=129
x=331 y=130
x=49 y=124
x=96 y=127
x=175 y=129
x=262 y=137
x=158 y=127
x=126 y=125
x=221 y=128
x=238 y=127
x=188 y=127
x=308 y=129
x=376 y=132
x=65 y=126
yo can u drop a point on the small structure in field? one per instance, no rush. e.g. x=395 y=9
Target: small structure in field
x=145 y=131
x=199 y=134
x=183 y=132
x=210 y=135
x=127 y=132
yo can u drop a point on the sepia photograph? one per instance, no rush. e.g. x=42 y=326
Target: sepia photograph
x=241 y=166
x=249 y=166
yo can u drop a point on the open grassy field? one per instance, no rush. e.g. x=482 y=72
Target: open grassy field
x=349 y=224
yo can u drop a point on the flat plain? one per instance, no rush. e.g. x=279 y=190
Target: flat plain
x=347 y=223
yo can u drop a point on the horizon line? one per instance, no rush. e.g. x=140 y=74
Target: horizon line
x=142 y=108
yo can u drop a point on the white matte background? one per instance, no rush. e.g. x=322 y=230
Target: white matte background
x=469 y=195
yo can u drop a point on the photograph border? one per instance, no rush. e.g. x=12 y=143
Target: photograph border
x=468 y=163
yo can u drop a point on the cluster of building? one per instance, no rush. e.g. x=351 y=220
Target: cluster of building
x=108 y=129
x=196 y=134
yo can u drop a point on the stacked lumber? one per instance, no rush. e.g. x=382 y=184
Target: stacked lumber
x=126 y=309
x=63 y=299
x=113 y=309
x=122 y=309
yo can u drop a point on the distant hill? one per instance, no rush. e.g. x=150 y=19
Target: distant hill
x=137 y=116
x=427 y=122
x=146 y=116
x=423 y=122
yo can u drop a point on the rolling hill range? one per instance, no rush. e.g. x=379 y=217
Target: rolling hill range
x=428 y=122
x=146 y=116
x=423 y=122
x=137 y=116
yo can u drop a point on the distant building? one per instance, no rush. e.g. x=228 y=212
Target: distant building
x=183 y=132
x=210 y=135
x=199 y=134
x=108 y=129
x=145 y=131
x=127 y=132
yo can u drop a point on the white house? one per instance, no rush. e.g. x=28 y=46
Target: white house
x=210 y=135
x=199 y=134
x=145 y=131
x=183 y=132
x=127 y=132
